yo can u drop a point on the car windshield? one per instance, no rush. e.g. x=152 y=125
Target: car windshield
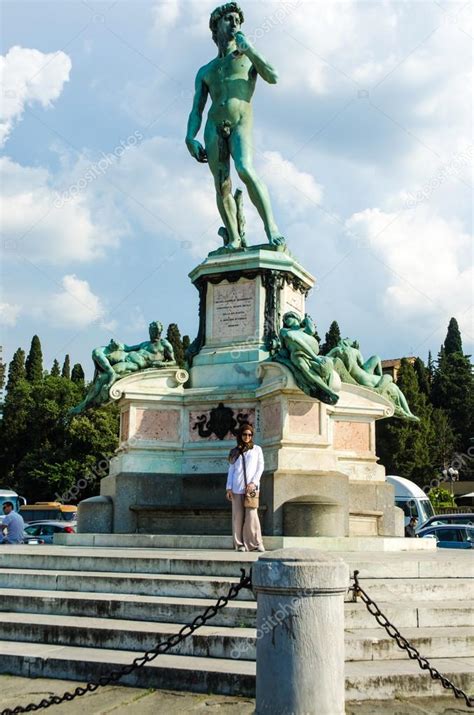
x=426 y=509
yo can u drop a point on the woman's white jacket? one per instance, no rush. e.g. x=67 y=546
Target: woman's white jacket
x=254 y=467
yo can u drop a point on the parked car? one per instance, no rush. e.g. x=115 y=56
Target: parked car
x=412 y=499
x=450 y=536
x=45 y=530
x=440 y=519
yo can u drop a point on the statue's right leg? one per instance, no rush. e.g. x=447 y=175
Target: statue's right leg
x=221 y=172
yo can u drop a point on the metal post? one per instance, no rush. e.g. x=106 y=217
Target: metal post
x=300 y=632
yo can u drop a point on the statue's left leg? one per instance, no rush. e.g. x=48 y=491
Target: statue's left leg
x=241 y=151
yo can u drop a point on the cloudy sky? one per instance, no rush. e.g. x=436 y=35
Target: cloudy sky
x=365 y=144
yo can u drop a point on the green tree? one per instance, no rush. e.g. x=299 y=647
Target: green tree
x=452 y=391
x=174 y=337
x=34 y=361
x=2 y=374
x=332 y=338
x=16 y=369
x=430 y=367
x=77 y=374
x=453 y=340
x=55 y=370
x=441 y=498
x=422 y=376
x=43 y=454
x=404 y=446
x=66 y=371
x=186 y=342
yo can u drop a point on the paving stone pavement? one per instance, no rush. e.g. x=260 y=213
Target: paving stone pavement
x=122 y=701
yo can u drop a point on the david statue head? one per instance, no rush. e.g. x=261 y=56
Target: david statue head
x=225 y=21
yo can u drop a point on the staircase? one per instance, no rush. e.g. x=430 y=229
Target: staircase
x=76 y=613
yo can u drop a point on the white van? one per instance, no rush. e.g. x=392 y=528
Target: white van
x=10 y=495
x=413 y=500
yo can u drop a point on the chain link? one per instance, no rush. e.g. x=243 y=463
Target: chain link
x=140 y=661
x=401 y=641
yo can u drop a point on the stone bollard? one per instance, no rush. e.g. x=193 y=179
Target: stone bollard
x=300 y=632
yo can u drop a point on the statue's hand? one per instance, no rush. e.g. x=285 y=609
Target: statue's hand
x=197 y=150
x=241 y=42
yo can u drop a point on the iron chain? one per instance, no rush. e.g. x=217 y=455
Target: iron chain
x=413 y=653
x=140 y=661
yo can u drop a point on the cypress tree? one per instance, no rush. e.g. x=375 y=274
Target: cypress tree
x=404 y=446
x=2 y=374
x=186 y=343
x=174 y=337
x=34 y=361
x=55 y=370
x=77 y=374
x=430 y=367
x=66 y=371
x=332 y=338
x=422 y=376
x=453 y=341
x=16 y=369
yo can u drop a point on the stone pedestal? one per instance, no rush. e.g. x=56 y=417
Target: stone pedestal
x=300 y=632
x=169 y=472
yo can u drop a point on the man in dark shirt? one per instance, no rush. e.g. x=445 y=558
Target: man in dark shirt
x=411 y=527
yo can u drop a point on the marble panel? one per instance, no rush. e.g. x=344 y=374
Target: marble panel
x=124 y=425
x=157 y=425
x=271 y=419
x=304 y=417
x=351 y=436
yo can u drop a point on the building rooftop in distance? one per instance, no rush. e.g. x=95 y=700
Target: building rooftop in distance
x=392 y=366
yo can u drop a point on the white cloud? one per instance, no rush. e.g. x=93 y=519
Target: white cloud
x=165 y=15
x=292 y=189
x=9 y=313
x=29 y=76
x=75 y=306
x=33 y=226
x=429 y=261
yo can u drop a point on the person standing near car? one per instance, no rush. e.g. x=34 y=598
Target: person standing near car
x=245 y=470
x=410 y=528
x=14 y=524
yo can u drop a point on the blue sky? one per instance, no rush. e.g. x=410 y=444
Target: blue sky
x=365 y=144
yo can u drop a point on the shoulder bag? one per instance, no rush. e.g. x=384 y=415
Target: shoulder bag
x=250 y=498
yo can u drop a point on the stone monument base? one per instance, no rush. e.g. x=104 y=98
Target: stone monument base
x=321 y=474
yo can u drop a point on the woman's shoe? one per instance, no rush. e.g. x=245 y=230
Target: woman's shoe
x=241 y=548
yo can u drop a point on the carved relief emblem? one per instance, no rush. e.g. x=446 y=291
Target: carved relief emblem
x=221 y=421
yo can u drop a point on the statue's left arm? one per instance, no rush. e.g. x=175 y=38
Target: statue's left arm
x=261 y=65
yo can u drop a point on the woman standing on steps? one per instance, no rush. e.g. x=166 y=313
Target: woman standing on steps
x=245 y=470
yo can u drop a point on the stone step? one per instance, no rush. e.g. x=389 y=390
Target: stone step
x=119 y=634
x=444 y=563
x=413 y=615
x=131 y=561
x=357 y=544
x=189 y=585
x=421 y=589
x=180 y=585
x=378 y=680
x=167 y=609
x=435 y=642
x=242 y=613
x=217 y=641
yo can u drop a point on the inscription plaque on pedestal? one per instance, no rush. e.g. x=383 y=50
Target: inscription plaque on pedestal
x=293 y=300
x=233 y=310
